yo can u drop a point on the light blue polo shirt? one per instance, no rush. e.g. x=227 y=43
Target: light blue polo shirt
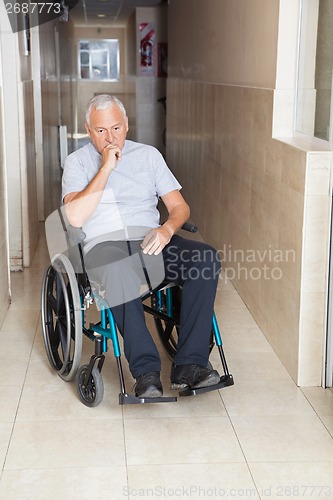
x=131 y=195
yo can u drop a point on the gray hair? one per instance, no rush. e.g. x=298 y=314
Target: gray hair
x=103 y=101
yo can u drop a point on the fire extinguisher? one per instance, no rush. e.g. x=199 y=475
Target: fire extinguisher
x=146 y=52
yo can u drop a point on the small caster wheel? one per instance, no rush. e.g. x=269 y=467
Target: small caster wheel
x=91 y=394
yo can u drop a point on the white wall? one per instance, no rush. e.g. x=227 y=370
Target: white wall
x=4 y=267
x=150 y=115
x=19 y=147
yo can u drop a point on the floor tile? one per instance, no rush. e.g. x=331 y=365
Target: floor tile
x=9 y=398
x=5 y=435
x=13 y=371
x=328 y=422
x=224 y=283
x=248 y=366
x=61 y=402
x=196 y=481
x=39 y=372
x=16 y=343
x=24 y=321
x=239 y=339
x=293 y=480
x=321 y=400
x=26 y=296
x=265 y=397
x=181 y=440
x=228 y=298
x=38 y=348
x=239 y=317
x=41 y=445
x=66 y=483
x=52 y=446
x=283 y=438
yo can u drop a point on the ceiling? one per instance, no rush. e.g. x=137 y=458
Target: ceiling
x=104 y=13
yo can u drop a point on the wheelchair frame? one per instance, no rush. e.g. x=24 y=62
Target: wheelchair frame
x=67 y=294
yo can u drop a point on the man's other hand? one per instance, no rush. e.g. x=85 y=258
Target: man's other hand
x=155 y=241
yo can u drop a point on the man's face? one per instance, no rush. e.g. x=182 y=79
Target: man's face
x=107 y=126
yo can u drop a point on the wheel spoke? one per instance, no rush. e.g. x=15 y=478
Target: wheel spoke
x=62 y=335
x=59 y=295
x=52 y=302
x=168 y=330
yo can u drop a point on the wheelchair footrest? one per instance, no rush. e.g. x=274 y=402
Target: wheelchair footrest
x=130 y=399
x=225 y=381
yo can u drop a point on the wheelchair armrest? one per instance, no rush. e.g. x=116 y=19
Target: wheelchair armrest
x=75 y=235
x=191 y=228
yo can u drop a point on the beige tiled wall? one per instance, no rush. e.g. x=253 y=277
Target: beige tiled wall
x=263 y=202
x=52 y=170
x=224 y=41
x=250 y=194
x=50 y=93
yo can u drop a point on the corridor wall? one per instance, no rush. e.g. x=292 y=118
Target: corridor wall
x=4 y=275
x=57 y=80
x=247 y=190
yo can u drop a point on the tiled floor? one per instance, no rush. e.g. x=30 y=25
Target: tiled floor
x=261 y=438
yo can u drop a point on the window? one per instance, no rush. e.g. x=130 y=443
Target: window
x=99 y=60
x=313 y=108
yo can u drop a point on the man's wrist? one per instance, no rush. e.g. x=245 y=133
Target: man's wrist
x=169 y=229
x=107 y=169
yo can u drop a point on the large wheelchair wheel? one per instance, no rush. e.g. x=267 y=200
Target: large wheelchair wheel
x=62 y=318
x=168 y=329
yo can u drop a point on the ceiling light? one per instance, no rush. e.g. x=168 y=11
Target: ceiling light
x=101 y=15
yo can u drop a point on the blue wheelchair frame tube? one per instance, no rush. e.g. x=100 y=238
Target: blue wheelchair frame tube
x=168 y=291
x=217 y=334
x=108 y=329
x=169 y=301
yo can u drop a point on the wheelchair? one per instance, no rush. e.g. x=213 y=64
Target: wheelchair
x=67 y=294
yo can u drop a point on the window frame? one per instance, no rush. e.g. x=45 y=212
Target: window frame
x=89 y=65
x=324 y=144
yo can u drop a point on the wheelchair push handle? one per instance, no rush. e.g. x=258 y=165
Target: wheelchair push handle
x=75 y=234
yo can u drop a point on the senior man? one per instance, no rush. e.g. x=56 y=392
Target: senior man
x=112 y=184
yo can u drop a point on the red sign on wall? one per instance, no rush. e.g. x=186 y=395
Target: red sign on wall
x=147 y=48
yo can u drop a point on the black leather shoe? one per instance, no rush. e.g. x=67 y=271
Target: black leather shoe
x=149 y=385
x=193 y=377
